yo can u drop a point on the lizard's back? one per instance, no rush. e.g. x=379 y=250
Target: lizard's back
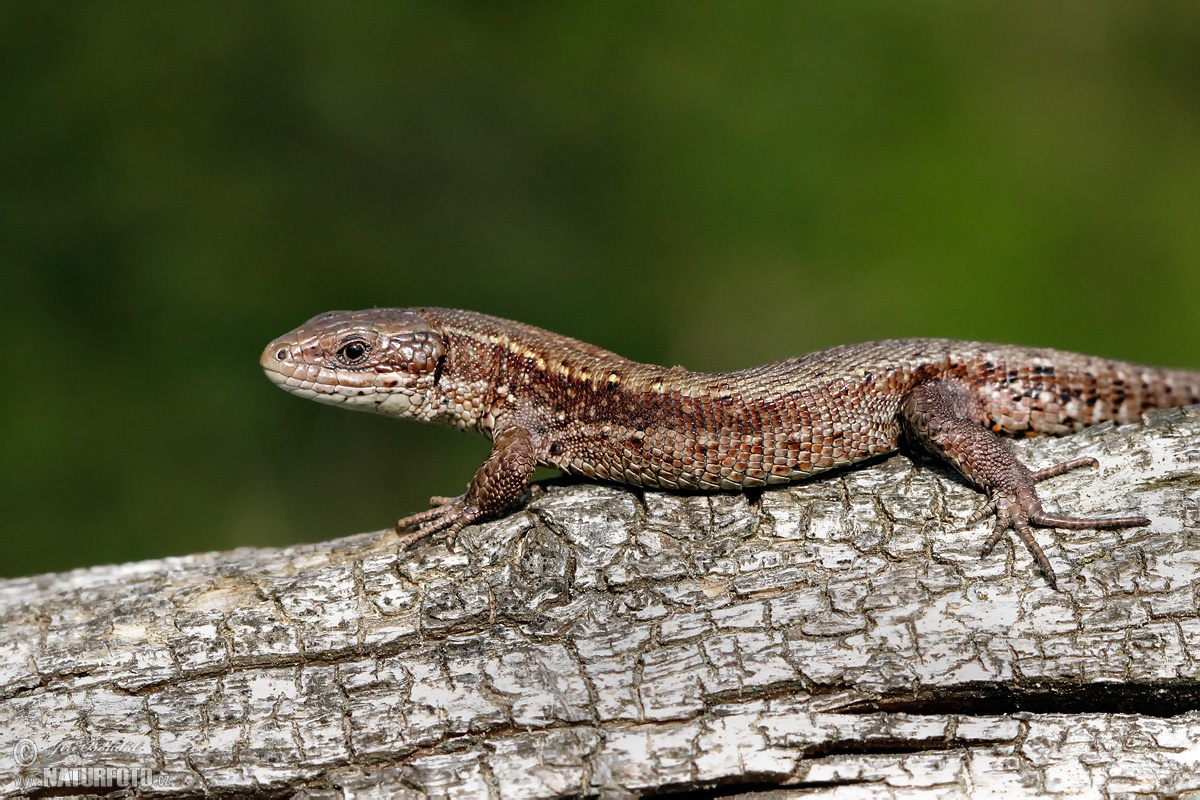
x=604 y=416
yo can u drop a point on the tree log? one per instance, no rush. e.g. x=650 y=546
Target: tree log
x=841 y=637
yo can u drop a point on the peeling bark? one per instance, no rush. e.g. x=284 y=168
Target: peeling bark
x=841 y=637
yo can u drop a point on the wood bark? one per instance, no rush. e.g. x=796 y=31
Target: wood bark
x=838 y=638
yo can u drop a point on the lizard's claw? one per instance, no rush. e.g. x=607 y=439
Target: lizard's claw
x=449 y=514
x=1017 y=509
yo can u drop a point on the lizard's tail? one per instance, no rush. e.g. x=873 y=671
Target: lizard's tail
x=1127 y=391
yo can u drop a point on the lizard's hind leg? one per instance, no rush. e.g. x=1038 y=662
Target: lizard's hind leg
x=945 y=420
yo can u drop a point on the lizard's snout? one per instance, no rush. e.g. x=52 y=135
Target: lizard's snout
x=276 y=355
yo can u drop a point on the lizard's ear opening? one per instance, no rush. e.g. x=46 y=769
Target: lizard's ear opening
x=437 y=370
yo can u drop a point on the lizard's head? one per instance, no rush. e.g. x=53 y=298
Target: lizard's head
x=385 y=359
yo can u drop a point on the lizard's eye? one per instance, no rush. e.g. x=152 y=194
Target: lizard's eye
x=353 y=352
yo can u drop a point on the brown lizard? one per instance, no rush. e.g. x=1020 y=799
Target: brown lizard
x=548 y=399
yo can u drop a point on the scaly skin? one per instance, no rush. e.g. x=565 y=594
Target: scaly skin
x=551 y=400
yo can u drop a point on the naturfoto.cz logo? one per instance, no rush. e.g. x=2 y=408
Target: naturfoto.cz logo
x=25 y=754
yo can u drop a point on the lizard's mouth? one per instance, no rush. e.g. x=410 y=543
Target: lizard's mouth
x=306 y=380
x=318 y=382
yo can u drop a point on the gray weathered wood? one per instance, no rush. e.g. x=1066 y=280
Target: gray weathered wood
x=840 y=637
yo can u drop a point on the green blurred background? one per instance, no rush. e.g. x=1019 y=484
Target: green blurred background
x=712 y=184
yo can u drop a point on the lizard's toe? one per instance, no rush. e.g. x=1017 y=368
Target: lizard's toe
x=1012 y=514
x=449 y=514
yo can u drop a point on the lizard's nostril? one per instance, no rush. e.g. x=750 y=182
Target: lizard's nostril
x=281 y=354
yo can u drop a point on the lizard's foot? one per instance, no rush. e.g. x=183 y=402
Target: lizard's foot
x=1017 y=509
x=1038 y=477
x=449 y=514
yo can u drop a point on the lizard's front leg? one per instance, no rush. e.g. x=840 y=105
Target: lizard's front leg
x=945 y=420
x=497 y=486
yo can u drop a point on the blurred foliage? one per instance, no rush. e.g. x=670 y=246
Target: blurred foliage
x=712 y=184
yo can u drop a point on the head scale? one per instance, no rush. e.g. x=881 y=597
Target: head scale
x=386 y=360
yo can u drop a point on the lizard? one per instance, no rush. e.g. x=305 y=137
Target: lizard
x=547 y=399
